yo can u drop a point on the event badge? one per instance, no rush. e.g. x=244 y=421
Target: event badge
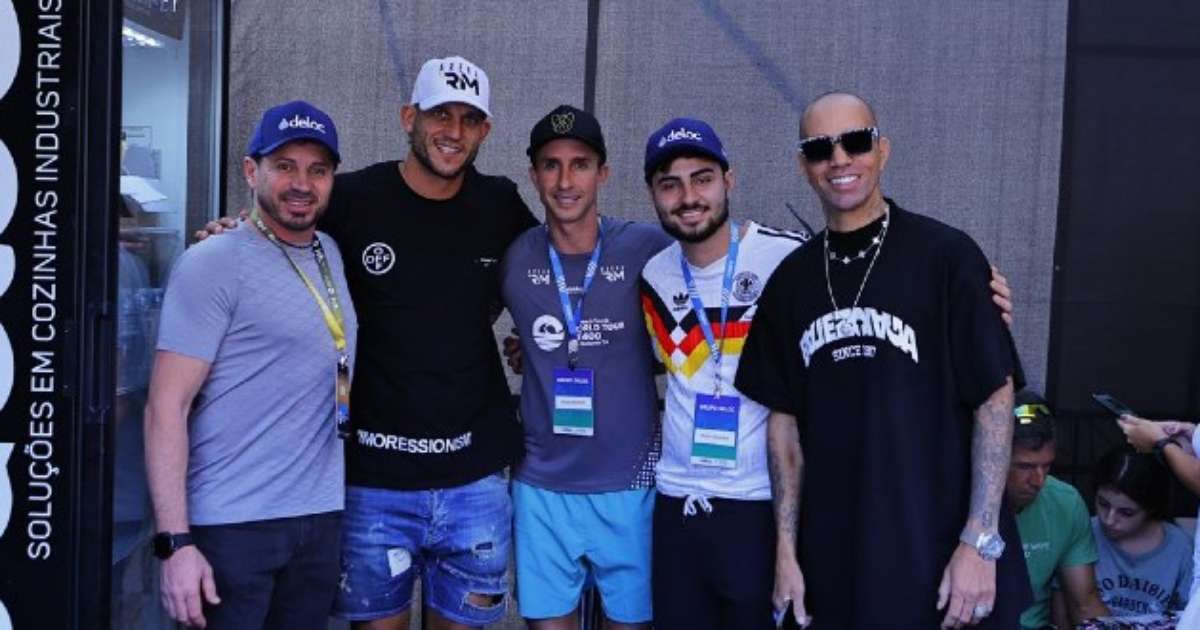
x=573 y=395
x=714 y=437
x=342 y=397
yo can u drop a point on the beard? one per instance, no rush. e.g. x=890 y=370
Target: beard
x=417 y=139
x=704 y=232
x=297 y=224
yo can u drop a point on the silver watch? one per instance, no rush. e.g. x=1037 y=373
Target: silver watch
x=989 y=545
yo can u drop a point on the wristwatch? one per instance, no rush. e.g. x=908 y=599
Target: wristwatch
x=1161 y=446
x=166 y=543
x=989 y=545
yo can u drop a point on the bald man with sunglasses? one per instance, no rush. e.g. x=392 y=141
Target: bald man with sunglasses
x=889 y=376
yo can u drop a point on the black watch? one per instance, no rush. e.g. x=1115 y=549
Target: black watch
x=1161 y=446
x=166 y=543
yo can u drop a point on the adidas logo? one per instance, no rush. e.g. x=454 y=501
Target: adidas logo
x=680 y=299
x=682 y=133
x=301 y=123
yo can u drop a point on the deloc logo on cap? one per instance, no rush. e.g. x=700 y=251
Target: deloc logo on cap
x=296 y=120
x=452 y=80
x=300 y=123
x=682 y=135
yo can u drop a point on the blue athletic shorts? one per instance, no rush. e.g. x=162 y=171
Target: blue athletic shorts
x=456 y=539
x=566 y=541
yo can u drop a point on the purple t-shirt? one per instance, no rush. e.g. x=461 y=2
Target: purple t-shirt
x=621 y=453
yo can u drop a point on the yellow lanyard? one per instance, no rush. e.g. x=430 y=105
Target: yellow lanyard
x=332 y=311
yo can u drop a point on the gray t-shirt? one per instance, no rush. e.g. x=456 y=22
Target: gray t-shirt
x=1151 y=583
x=613 y=342
x=261 y=431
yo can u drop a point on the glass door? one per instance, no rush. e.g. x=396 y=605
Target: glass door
x=172 y=106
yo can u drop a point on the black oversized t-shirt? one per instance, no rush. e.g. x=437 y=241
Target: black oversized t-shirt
x=430 y=406
x=885 y=406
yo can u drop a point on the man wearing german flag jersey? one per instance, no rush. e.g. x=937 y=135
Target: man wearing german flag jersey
x=713 y=555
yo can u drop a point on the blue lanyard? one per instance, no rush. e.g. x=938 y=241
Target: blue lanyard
x=715 y=348
x=574 y=317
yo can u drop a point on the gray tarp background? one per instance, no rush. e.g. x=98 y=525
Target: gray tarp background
x=969 y=92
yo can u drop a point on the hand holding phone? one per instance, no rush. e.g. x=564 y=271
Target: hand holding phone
x=1114 y=406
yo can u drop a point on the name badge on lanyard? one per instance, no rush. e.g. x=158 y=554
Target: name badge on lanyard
x=574 y=387
x=715 y=436
x=715 y=417
x=342 y=396
x=573 y=396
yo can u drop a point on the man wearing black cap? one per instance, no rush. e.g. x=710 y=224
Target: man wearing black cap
x=584 y=492
x=713 y=547
x=242 y=409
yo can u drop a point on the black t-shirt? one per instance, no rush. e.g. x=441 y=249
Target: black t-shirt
x=430 y=407
x=885 y=408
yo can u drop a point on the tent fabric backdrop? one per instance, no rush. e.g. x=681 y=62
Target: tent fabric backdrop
x=971 y=95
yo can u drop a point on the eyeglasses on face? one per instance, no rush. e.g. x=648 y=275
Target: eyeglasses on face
x=854 y=142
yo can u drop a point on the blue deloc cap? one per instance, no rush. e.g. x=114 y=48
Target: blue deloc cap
x=683 y=135
x=296 y=120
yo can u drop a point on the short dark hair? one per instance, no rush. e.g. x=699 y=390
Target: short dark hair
x=664 y=165
x=1139 y=477
x=1034 y=421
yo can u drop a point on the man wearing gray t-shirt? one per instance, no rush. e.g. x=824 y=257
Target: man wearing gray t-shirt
x=249 y=387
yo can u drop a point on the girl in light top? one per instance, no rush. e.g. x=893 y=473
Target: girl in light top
x=1175 y=444
x=1145 y=561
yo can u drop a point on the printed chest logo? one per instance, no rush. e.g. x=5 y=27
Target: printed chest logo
x=680 y=302
x=538 y=276
x=378 y=258
x=548 y=332
x=747 y=286
x=613 y=273
x=854 y=323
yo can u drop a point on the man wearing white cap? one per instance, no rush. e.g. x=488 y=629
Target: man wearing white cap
x=432 y=425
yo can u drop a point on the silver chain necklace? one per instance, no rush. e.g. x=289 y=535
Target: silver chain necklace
x=862 y=253
x=846 y=327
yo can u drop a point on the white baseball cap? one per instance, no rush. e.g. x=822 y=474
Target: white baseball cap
x=452 y=80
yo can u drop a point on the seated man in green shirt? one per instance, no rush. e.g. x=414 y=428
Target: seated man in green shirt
x=1052 y=520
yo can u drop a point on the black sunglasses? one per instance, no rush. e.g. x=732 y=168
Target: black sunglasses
x=854 y=142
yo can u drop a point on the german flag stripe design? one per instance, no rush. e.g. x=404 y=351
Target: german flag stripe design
x=688 y=355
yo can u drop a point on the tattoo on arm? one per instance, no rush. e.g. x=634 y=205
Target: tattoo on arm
x=991 y=448
x=786 y=467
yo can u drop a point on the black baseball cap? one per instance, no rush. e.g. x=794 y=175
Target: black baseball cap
x=566 y=121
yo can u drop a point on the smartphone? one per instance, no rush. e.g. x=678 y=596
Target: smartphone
x=1114 y=406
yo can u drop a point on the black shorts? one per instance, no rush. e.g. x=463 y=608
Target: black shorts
x=713 y=569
